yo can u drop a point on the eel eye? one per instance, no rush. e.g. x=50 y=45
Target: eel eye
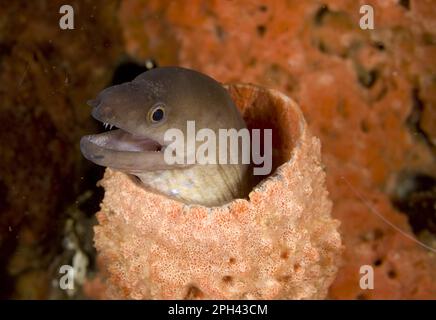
x=157 y=113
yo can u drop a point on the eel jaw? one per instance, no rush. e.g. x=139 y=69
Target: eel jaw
x=121 y=150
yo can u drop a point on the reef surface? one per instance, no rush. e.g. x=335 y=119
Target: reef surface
x=370 y=95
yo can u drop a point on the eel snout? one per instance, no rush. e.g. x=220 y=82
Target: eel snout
x=119 y=148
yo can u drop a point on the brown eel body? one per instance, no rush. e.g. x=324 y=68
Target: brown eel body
x=143 y=110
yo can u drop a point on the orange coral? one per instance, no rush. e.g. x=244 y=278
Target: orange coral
x=356 y=87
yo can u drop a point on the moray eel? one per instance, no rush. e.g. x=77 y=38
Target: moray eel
x=143 y=110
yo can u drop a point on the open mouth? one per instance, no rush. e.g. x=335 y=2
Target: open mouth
x=120 y=140
x=122 y=150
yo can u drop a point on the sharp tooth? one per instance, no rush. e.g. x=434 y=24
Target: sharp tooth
x=111 y=126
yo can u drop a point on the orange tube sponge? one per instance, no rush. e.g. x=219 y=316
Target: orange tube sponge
x=280 y=243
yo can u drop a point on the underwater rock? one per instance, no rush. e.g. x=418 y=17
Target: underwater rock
x=46 y=75
x=280 y=243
